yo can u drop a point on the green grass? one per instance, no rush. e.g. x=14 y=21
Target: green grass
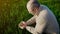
x=14 y=11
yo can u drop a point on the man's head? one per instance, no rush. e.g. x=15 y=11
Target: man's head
x=34 y=7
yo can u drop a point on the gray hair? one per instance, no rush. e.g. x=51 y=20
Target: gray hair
x=35 y=4
x=32 y=4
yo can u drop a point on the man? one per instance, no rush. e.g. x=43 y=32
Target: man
x=45 y=20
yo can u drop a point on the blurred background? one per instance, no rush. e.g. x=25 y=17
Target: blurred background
x=12 y=12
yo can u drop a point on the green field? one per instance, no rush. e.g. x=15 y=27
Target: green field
x=14 y=11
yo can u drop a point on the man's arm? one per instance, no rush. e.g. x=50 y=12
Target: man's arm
x=31 y=20
x=42 y=21
x=23 y=24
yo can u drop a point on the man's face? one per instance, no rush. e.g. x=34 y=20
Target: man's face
x=33 y=11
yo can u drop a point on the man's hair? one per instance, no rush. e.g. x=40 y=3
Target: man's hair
x=35 y=4
x=32 y=4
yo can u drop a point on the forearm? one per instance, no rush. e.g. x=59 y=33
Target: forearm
x=31 y=21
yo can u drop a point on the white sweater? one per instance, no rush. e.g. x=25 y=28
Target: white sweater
x=45 y=21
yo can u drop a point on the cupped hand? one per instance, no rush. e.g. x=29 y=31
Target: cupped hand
x=22 y=24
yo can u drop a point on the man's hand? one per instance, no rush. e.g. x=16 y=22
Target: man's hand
x=22 y=25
